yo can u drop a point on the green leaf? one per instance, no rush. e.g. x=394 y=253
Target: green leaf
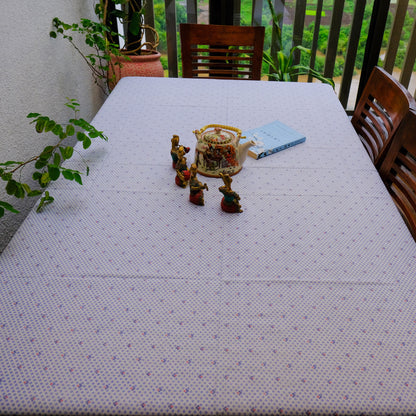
x=9 y=207
x=76 y=122
x=47 y=150
x=36 y=175
x=135 y=23
x=10 y=162
x=303 y=49
x=70 y=130
x=305 y=70
x=46 y=199
x=94 y=134
x=40 y=164
x=20 y=192
x=54 y=172
x=282 y=61
x=86 y=143
x=46 y=153
x=72 y=103
x=35 y=192
x=26 y=187
x=45 y=179
x=33 y=115
x=57 y=130
x=40 y=124
x=52 y=34
x=67 y=174
x=1 y=212
x=81 y=136
x=67 y=152
x=56 y=159
x=11 y=187
x=50 y=124
x=77 y=178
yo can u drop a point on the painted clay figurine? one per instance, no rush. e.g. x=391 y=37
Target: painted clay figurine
x=174 y=150
x=229 y=202
x=196 y=195
x=182 y=172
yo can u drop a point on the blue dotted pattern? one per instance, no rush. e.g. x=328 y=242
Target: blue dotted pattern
x=124 y=298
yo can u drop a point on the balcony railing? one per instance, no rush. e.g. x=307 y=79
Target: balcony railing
x=354 y=35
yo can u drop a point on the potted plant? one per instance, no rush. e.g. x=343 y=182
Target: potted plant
x=138 y=56
x=281 y=63
x=115 y=54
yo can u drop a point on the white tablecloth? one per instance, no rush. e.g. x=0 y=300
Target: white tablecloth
x=122 y=297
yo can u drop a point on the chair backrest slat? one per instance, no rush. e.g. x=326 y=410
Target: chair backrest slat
x=221 y=51
x=398 y=169
x=382 y=106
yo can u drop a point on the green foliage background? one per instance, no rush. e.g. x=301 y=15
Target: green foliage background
x=246 y=10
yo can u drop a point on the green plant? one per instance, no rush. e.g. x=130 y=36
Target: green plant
x=47 y=164
x=281 y=63
x=96 y=35
x=104 y=38
x=130 y=15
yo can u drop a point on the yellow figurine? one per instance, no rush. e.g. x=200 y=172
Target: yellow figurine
x=174 y=150
x=196 y=195
x=229 y=202
x=182 y=172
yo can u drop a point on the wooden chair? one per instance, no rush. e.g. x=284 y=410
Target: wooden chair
x=398 y=169
x=221 y=51
x=382 y=106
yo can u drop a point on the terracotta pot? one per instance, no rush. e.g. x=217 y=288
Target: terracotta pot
x=146 y=65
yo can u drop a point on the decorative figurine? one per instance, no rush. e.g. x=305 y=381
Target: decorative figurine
x=174 y=150
x=218 y=150
x=229 y=202
x=196 y=195
x=182 y=172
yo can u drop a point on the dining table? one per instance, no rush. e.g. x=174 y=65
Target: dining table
x=122 y=297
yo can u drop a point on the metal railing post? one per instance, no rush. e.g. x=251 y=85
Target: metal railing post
x=315 y=36
x=298 y=26
x=191 y=11
x=170 y=9
x=374 y=41
x=395 y=34
x=353 y=42
x=332 y=49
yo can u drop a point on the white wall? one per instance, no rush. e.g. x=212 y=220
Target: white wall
x=37 y=73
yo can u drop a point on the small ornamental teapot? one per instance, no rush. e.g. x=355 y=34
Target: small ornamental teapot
x=218 y=150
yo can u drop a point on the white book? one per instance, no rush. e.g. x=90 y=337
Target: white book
x=272 y=138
